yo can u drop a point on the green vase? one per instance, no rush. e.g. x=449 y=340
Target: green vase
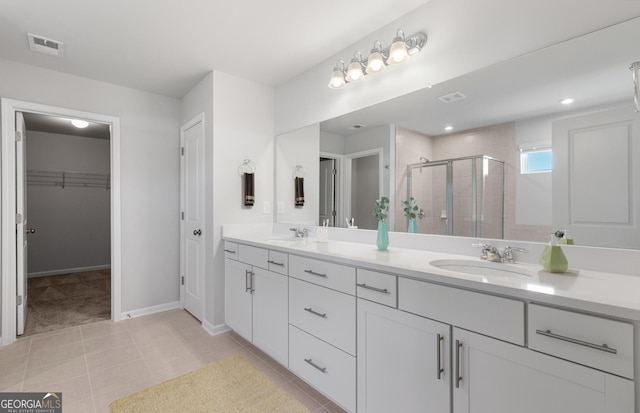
x=413 y=226
x=383 y=236
x=553 y=259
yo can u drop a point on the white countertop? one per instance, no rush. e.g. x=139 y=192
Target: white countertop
x=616 y=295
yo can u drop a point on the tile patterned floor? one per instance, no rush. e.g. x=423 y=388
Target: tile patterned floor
x=95 y=364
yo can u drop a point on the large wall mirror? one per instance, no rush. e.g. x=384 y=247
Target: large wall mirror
x=515 y=161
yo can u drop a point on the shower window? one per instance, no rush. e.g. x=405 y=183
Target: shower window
x=535 y=158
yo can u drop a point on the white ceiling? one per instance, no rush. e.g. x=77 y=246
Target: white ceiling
x=166 y=46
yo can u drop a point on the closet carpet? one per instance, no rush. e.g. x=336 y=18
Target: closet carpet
x=60 y=301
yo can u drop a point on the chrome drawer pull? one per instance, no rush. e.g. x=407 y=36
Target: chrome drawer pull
x=310 y=310
x=230 y=251
x=458 y=377
x=248 y=282
x=439 y=341
x=378 y=290
x=315 y=273
x=276 y=263
x=322 y=369
x=602 y=347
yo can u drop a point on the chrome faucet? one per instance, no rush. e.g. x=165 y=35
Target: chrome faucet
x=507 y=253
x=300 y=232
x=489 y=253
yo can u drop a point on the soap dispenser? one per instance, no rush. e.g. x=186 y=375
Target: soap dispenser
x=552 y=258
x=565 y=239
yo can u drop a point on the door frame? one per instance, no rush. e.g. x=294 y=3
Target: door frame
x=339 y=190
x=348 y=165
x=9 y=107
x=200 y=118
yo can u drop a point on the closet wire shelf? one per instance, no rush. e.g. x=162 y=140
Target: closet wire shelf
x=65 y=179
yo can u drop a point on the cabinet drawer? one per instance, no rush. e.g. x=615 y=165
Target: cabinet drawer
x=335 y=276
x=497 y=317
x=327 y=314
x=329 y=370
x=593 y=341
x=257 y=257
x=378 y=287
x=231 y=250
x=278 y=262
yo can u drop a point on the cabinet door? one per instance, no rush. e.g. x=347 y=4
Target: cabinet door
x=497 y=377
x=270 y=314
x=237 y=303
x=403 y=362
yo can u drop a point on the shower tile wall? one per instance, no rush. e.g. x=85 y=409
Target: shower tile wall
x=410 y=146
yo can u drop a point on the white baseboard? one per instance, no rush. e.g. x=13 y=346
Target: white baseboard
x=68 y=271
x=215 y=329
x=149 y=310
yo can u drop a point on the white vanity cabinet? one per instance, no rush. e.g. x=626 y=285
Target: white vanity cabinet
x=256 y=299
x=490 y=375
x=322 y=331
x=380 y=341
x=403 y=362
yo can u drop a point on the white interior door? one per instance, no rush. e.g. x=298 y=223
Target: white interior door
x=192 y=223
x=596 y=173
x=328 y=191
x=21 y=224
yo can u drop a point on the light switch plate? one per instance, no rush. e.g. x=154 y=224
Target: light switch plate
x=280 y=207
x=266 y=207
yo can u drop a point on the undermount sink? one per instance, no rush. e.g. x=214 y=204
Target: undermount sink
x=290 y=240
x=483 y=268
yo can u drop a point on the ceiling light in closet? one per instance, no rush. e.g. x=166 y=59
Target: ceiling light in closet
x=79 y=123
x=567 y=101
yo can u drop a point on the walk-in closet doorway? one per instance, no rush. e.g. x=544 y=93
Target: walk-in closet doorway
x=63 y=261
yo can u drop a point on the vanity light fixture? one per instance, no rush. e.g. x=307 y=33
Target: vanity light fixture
x=399 y=52
x=81 y=124
x=567 y=101
x=635 y=70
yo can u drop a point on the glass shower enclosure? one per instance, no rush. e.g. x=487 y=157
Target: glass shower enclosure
x=460 y=196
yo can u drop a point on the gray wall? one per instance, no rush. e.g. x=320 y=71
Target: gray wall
x=149 y=140
x=72 y=224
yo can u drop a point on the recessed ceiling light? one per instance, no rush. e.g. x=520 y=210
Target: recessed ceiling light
x=448 y=128
x=567 y=101
x=79 y=123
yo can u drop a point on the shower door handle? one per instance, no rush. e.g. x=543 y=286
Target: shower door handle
x=30 y=230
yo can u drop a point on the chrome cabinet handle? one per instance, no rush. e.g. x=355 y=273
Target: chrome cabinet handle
x=230 y=251
x=601 y=347
x=248 y=281
x=30 y=230
x=276 y=263
x=197 y=232
x=458 y=376
x=310 y=361
x=315 y=273
x=439 y=341
x=310 y=310
x=378 y=290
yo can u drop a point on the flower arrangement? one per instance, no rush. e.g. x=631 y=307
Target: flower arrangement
x=382 y=208
x=410 y=208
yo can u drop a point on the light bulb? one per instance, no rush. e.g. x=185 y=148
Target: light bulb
x=354 y=71
x=337 y=79
x=79 y=123
x=375 y=63
x=398 y=52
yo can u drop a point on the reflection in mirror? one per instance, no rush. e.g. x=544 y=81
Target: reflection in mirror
x=512 y=108
x=460 y=196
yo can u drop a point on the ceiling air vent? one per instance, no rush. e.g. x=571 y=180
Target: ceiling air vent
x=44 y=45
x=356 y=126
x=452 y=97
